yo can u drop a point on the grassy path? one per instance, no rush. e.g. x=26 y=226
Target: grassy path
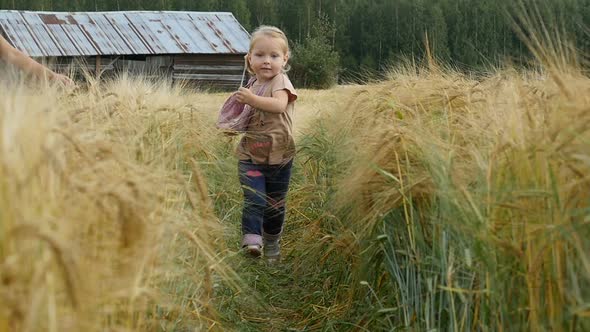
x=271 y=299
x=276 y=296
x=279 y=296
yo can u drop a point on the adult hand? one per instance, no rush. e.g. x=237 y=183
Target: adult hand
x=62 y=79
x=244 y=95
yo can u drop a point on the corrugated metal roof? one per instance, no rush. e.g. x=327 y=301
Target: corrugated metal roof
x=42 y=34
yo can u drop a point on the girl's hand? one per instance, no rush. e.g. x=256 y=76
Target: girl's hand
x=244 y=96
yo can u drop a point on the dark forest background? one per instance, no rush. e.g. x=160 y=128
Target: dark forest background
x=342 y=38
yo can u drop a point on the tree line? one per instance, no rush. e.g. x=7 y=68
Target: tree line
x=368 y=35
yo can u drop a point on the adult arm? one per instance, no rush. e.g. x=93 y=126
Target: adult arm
x=27 y=64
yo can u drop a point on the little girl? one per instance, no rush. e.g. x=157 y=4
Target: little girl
x=267 y=149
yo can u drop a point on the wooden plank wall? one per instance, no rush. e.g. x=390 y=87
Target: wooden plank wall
x=222 y=72
x=217 y=72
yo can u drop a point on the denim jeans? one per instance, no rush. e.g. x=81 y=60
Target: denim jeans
x=265 y=192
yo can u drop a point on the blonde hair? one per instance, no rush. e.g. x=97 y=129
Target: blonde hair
x=268 y=31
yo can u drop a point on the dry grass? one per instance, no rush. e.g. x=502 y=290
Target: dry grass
x=461 y=186
x=429 y=200
x=107 y=218
x=97 y=189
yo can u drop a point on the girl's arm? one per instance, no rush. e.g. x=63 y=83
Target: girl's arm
x=24 y=62
x=275 y=104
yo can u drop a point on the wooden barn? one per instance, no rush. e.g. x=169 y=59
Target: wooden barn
x=204 y=48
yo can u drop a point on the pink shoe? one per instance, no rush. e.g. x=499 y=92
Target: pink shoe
x=252 y=245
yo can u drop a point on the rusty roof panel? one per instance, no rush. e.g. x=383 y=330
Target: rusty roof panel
x=65 y=43
x=234 y=36
x=40 y=33
x=14 y=29
x=160 y=27
x=139 y=26
x=199 y=41
x=77 y=34
x=108 y=40
x=178 y=36
x=211 y=31
x=123 y=33
x=214 y=44
x=135 y=44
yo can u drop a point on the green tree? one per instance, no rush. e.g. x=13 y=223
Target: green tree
x=314 y=63
x=371 y=33
x=263 y=12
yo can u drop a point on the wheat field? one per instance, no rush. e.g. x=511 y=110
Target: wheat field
x=429 y=201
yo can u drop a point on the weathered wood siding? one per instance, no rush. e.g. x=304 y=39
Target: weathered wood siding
x=219 y=72
x=210 y=71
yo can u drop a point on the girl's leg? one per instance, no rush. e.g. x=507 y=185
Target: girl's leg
x=253 y=184
x=277 y=185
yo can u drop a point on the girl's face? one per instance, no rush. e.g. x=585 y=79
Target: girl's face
x=267 y=57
